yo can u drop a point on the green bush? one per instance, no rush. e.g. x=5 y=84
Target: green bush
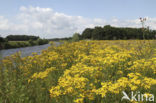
x=32 y=43
x=42 y=41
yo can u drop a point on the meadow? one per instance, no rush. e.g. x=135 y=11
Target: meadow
x=81 y=72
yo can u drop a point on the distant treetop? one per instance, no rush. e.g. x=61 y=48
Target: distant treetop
x=115 y=33
x=21 y=37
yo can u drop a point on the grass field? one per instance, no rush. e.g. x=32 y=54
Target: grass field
x=81 y=72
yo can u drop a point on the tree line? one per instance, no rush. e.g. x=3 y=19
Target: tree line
x=116 y=33
x=21 y=37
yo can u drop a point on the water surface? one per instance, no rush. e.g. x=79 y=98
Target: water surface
x=25 y=51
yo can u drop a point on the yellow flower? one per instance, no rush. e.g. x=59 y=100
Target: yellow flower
x=43 y=74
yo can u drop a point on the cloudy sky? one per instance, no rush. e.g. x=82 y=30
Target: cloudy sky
x=62 y=18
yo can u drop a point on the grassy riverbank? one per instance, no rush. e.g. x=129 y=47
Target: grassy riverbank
x=19 y=44
x=81 y=72
x=17 y=41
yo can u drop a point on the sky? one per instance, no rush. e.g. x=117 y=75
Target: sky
x=62 y=18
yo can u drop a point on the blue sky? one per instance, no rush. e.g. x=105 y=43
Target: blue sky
x=75 y=14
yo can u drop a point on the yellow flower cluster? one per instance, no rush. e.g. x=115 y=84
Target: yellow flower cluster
x=134 y=81
x=104 y=69
x=86 y=71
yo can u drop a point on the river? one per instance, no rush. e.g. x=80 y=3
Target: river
x=25 y=51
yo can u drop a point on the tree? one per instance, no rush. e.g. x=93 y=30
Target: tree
x=76 y=37
x=98 y=33
x=2 y=40
x=108 y=32
x=87 y=33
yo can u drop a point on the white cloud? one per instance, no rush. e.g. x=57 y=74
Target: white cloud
x=47 y=23
x=4 y=24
